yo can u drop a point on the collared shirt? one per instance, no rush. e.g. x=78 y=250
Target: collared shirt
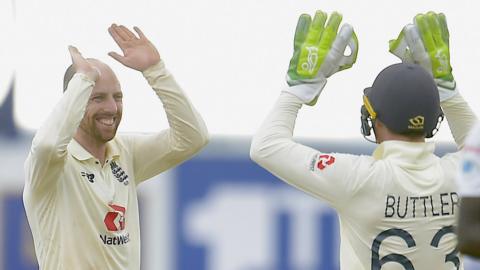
x=397 y=208
x=84 y=215
x=469 y=178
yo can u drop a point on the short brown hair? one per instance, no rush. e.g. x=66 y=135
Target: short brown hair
x=68 y=76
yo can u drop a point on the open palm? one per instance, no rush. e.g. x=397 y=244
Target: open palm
x=138 y=52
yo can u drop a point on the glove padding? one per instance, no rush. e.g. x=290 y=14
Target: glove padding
x=319 y=53
x=426 y=42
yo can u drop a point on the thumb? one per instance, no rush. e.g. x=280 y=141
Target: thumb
x=117 y=57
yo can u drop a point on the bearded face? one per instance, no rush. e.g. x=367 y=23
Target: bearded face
x=104 y=109
x=102 y=116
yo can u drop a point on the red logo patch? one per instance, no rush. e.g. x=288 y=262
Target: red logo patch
x=115 y=221
x=324 y=161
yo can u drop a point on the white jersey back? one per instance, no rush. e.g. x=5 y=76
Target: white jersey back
x=397 y=208
x=400 y=215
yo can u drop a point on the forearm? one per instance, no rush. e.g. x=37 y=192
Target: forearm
x=460 y=118
x=57 y=131
x=276 y=130
x=272 y=145
x=49 y=146
x=187 y=128
x=273 y=149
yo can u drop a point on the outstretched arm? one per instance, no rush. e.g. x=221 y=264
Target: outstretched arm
x=49 y=146
x=187 y=133
x=426 y=42
x=318 y=53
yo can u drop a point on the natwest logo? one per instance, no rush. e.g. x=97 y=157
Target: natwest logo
x=115 y=221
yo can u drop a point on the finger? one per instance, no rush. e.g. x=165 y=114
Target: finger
x=416 y=46
x=139 y=32
x=399 y=47
x=120 y=31
x=422 y=24
x=301 y=31
x=343 y=38
x=316 y=27
x=336 y=56
x=330 y=32
x=434 y=26
x=127 y=33
x=117 y=57
x=444 y=28
x=116 y=37
x=346 y=37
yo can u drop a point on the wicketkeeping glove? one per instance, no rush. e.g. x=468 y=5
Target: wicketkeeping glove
x=318 y=53
x=426 y=42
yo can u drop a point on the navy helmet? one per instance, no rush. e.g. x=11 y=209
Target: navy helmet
x=405 y=98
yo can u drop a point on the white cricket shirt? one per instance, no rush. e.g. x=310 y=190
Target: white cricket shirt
x=469 y=179
x=84 y=215
x=396 y=208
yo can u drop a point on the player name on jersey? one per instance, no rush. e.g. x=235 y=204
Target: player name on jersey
x=442 y=204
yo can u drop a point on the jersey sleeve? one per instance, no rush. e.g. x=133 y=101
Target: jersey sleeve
x=460 y=118
x=469 y=176
x=49 y=146
x=331 y=177
x=187 y=134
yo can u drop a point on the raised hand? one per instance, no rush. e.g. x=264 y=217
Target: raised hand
x=426 y=42
x=81 y=65
x=319 y=52
x=138 y=52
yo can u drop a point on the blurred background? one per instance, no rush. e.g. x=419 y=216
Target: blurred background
x=218 y=211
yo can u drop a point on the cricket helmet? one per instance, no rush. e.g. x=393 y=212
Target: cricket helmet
x=405 y=98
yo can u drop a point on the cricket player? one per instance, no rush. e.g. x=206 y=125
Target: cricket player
x=397 y=207
x=469 y=191
x=81 y=178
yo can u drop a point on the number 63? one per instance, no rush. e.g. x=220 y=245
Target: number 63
x=377 y=263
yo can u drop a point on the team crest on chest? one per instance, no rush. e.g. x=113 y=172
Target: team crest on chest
x=119 y=173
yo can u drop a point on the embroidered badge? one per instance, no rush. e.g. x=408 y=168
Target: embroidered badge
x=119 y=173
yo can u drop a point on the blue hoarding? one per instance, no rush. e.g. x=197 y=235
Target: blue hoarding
x=232 y=214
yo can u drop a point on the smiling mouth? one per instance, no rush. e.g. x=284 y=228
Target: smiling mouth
x=109 y=122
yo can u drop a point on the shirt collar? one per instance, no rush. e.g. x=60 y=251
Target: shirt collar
x=82 y=154
x=405 y=151
x=113 y=150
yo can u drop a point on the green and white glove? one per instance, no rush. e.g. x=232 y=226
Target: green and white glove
x=426 y=42
x=318 y=53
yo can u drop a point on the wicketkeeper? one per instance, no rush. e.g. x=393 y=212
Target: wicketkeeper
x=397 y=207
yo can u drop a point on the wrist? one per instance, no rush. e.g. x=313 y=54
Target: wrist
x=93 y=74
x=446 y=89
x=307 y=92
x=158 y=68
